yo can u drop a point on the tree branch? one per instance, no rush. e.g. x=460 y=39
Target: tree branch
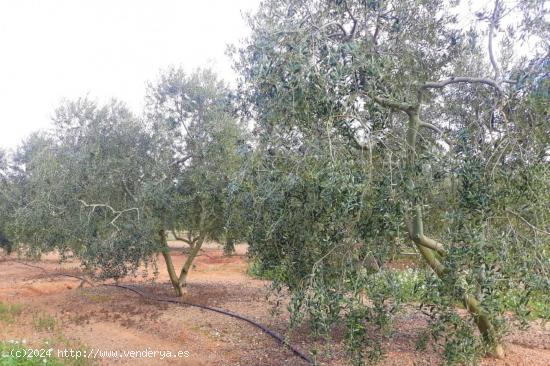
x=436 y=129
x=416 y=232
x=461 y=79
x=115 y=212
x=407 y=108
x=527 y=222
x=181 y=239
x=376 y=30
x=354 y=20
x=492 y=25
x=128 y=191
x=182 y=160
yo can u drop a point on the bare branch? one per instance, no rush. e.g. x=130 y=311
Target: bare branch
x=407 y=108
x=354 y=27
x=492 y=25
x=431 y=244
x=117 y=213
x=527 y=222
x=430 y=126
x=182 y=160
x=416 y=233
x=128 y=190
x=180 y=238
x=436 y=129
x=376 y=30
x=461 y=79
x=342 y=29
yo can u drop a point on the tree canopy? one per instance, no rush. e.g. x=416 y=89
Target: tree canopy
x=379 y=129
x=107 y=187
x=385 y=124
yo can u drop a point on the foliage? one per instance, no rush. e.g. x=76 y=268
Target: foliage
x=74 y=190
x=6 y=359
x=5 y=241
x=105 y=186
x=379 y=127
x=197 y=137
x=191 y=120
x=381 y=123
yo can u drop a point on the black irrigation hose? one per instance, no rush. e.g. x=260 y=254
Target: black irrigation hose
x=263 y=328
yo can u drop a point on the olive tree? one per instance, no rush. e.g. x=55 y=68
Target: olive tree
x=198 y=139
x=420 y=124
x=20 y=167
x=107 y=187
x=76 y=189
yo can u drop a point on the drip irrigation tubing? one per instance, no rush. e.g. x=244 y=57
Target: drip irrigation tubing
x=263 y=328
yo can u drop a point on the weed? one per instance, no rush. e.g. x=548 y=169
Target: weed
x=44 y=322
x=8 y=312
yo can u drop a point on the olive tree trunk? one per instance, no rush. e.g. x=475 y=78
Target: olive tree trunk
x=170 y=265
x=430 y=249
x=189 y=261
x=179 y=282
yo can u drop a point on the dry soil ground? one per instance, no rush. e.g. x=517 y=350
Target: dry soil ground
x=56 y=311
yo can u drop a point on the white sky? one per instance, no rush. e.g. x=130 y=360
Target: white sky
x=55 y=49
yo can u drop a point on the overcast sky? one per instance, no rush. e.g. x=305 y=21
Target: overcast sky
x=55 y=49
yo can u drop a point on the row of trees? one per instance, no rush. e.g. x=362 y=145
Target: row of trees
x=378 y=127
x=107 y=187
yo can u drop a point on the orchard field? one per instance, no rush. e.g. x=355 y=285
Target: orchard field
x=53 y=312
x=372 y=188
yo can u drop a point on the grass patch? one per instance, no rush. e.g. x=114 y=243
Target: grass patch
x=60 y=341
x=539 y=308
x=18 y=353
x=412 y=284
x=97 y=298
x=533 y=307
x=44 y=323
x=14 y=353
x=8 y=312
